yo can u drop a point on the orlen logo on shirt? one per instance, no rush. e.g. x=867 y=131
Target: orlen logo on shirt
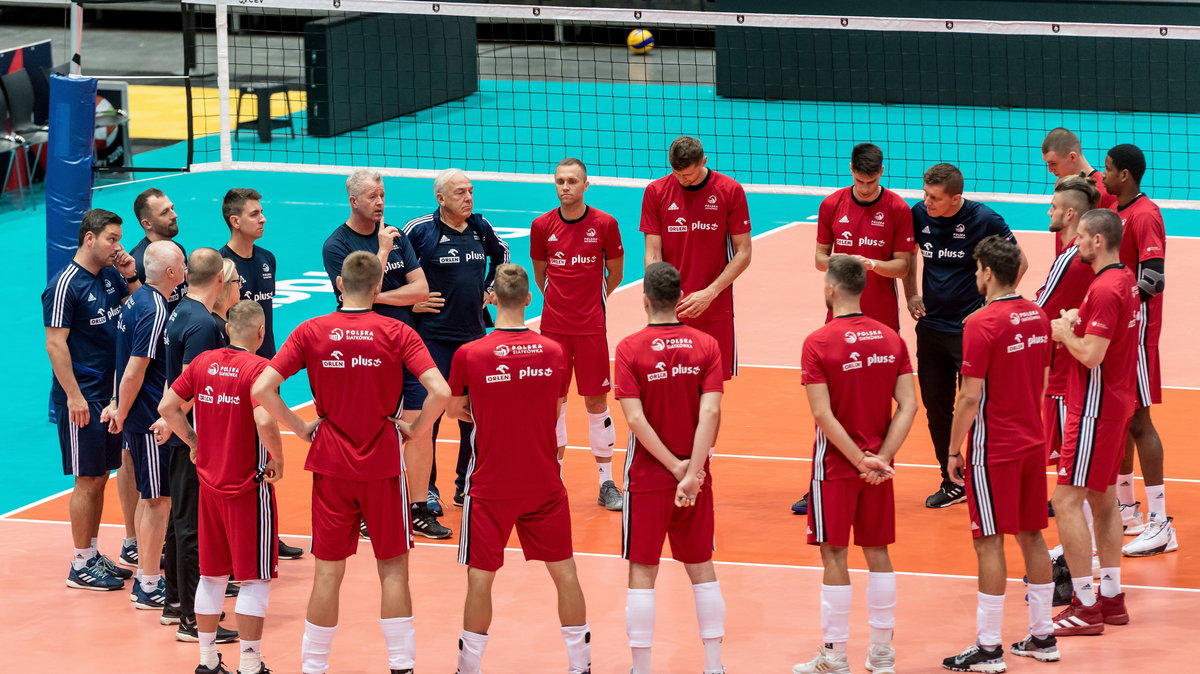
x=502 y=376
x=101 y=319
x=1018 y=343
x=854 y=363
x=451 y=258
x=559 y=259
x=659 y=373
x=335 y=361
x=207 y=396
x=846 y=239
x=680 y=226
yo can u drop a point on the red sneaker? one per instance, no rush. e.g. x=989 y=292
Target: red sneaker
x=1078 y=620
x=1113 y=609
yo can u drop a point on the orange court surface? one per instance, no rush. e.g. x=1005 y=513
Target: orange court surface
x=769 y=577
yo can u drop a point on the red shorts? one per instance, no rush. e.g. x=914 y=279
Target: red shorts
x=1092 y=451
x=543 y=526
x=238 y=533
x=587 y=356
x=834 y=506
x=1149 y=376
x=721 y=330
x=339 y=506
x=1054 y=418
x=1007 y=497
x=651 y=517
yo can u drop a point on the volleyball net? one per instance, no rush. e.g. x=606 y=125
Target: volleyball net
x=506 y=91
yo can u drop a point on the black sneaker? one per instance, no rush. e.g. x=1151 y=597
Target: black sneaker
x=289 y=551
x=171 y=615
x=362 y=529
x=976 y=659
x=262 y=669
x=459 y=498
x=1044 y=649
x=425 y=524
x=402 y=671
x=800 y=507
x=219 y=669
x=187 y=632
x=231 y=589
x=948 y=495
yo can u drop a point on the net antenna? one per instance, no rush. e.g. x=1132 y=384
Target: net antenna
x=506 y=91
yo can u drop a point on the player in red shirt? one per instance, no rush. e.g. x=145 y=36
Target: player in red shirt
x=514 y=373
x=355 y=360
x=238 y=456
x=578 y=261
x=1063 y=154
x=669 y=379
x=853 y=368
x=872 y=223
x=698 y=220
x=1006 y=359
x=1102 y=336
x=1143 y=251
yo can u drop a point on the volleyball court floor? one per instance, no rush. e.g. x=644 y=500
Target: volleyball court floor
x=769 y=577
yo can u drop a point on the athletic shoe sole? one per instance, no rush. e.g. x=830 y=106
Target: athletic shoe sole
x=433 y=536
x=987 y=669
x=880 y=670
x=82 y=586
x=1040 y=656
x=142 y=606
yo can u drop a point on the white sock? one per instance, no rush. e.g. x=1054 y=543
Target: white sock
x=989 y=617
x=470 y=652
x=605 y=470
x=1085 y=591
x=208 y=649
x=251 y=657
x=710 y=613
x=1041 y=600
x=81 y=557
x=314 y=649
x=401 y=641
x=639 y=626
x=881 y=606
x=1110 y=581
x=1125 y=489
x=95 y=542
x=150 y=581
x=835 y=614
x=579 y=647
x=1091 y=522
x=1156 y=501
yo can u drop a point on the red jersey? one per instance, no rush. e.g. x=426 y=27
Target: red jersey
x=667 y=366
x=513 y=379
x=695 y=224
x=1065 y=287
x=1007 y=345
x=1144 y=237
x=859 y=359
x=228 y=455
x=1109 y=310
x=875 y=230
x=355 y=361
x=575 y=252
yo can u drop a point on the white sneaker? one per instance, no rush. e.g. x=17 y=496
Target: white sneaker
x=1159 y=537
x=826 y=662
x=1131 y=518
x=881 y=659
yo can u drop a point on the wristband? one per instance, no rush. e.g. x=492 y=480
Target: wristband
x=131 y=279
x=872 y=263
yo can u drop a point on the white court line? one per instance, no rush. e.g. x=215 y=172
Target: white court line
x=750 y=565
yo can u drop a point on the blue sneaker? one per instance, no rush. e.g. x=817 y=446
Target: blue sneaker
x=801 y=507
x=112 y=569
x=129 y=556
x=93 y=577
x=153 y=600
x=434 y=502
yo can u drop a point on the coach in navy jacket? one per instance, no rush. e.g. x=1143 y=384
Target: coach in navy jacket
x=459 y=251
